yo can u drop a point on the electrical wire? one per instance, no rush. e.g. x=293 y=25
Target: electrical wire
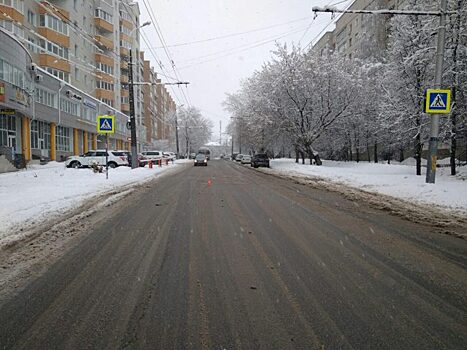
x=234 y=34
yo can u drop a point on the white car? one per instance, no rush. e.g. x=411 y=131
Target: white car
x=153 y=155
x=115 y=159
x=169 y=155
x=246 y=159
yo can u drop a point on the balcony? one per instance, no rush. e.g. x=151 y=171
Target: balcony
x=124 y=79
x=125 y=107
x=101 y=93
x=104 y=42
x=7 y=11
x=103 y=24
x=55 y=37
x=124 y=93
x=46 y=60
x=124 y=51
x=127 y=24
x=104 y=76
x=62 y=14
x=104 y=59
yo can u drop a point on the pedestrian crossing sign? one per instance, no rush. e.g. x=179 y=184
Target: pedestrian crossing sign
x=438 y=101
x=106 y=124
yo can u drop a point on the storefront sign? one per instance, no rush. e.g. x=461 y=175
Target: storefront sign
x=5 y=111
x=89 y=104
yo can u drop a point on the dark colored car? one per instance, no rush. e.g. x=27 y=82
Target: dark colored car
x=260 y=159
x=200 y=159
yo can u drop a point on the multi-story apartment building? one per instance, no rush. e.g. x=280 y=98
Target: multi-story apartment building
x=166 y=109
x=86 y=45
x=359 y=35
x=42 y=115
x=150 y=109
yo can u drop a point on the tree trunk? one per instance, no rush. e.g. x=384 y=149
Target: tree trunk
x=418 y=154
x=350 y=148
x=375 y=154
x=303 y=156
x=368 y=151
x=401 y=154
x=452 y=160
x=297 y=156
x=317 y=159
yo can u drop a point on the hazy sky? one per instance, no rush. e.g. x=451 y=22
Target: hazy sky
x=216 y=67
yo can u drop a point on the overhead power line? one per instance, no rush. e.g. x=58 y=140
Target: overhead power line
x=235 y=34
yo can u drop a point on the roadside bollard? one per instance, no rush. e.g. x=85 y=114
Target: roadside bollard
x=150 y=164
x=160 y=162
x=166 y=162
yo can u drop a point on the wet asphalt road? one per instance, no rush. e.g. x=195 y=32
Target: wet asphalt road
x=247 y=261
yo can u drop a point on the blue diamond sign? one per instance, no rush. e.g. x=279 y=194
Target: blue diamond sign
x=106 y=124
x=438 y=101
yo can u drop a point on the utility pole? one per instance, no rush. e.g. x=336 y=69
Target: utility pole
x=434 y=134
x=134 y=150
x=442 y=13
x=176 y=135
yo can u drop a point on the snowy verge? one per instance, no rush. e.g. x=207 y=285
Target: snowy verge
x=43 y=192
x=395 y=180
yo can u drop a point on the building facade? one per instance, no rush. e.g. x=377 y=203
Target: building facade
x=359 y=35
x=42 y=116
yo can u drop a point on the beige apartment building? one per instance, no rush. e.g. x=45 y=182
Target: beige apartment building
x=166 y=109
x=359 y=35
x=85 y=46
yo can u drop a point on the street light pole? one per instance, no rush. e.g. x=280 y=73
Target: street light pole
x=134 y=149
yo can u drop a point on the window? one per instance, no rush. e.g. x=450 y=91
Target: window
x=49 y=47
x=12 y=27
x=59 y=74
x=125 y=44
x=53 y=23
x=125 y=30
x=69 y=107
x=108 y=102
x=104 y=15
x=46 y=98
x=7 y=128
x=76 y=73
x=125 y=16
x=105 y=68
x=12 y=74
x=32 y=46
x=104 y=85
x=31 y=18
x=40 y=135
x=16 y=4
x=63 y=139
x=125 y=99
x=74 y=4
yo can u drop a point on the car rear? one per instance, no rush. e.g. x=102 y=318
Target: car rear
x=260 y=160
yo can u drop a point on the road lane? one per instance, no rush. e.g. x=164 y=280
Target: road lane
x=246 y=261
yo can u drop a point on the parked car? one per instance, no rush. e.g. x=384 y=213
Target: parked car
x=239 y=157
x=233 y=156
x=115 y=159
x=246 y=159
x=192 y=155
x=153 y=155
x=169 y=155
x=124 y=152
x=201 y=159
x=260 y=159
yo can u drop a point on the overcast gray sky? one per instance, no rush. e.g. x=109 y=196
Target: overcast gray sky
x=213 y=66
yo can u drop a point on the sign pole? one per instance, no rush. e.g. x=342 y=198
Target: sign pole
x=106 y=156
x=433 y=146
